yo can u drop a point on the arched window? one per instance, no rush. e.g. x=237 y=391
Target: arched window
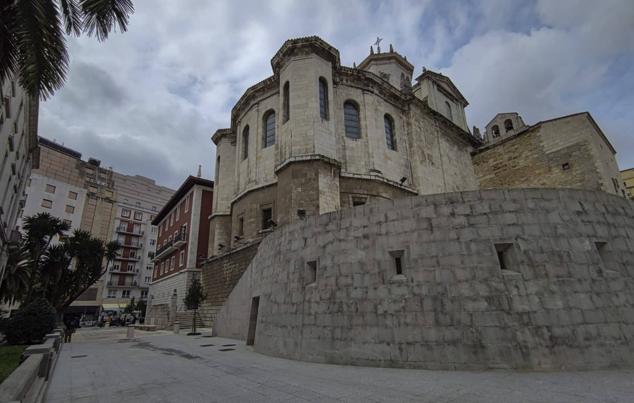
x=286 y=110
x=390 y=139
x=217 y=168
x=351 y=120
x=245 y=143
x=496 y=130
x=268 y=138
x=508 y=125
x=323 y=98
x=448 y=110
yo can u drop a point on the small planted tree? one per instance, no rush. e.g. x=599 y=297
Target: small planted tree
x=194 y=297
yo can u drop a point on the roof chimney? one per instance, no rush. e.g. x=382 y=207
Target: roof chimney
x=199 y=170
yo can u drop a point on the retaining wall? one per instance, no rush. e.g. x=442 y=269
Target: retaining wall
x=523 y=278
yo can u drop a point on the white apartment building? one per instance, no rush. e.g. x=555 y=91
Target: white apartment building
x=18 y=154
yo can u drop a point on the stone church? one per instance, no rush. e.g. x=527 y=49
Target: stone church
x=350 y=226
x=317 y=137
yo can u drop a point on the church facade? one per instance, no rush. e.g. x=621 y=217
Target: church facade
x=316 y=137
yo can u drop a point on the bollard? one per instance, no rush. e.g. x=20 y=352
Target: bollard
x=130 y=334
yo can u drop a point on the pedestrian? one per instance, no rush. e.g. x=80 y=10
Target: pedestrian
x=70 y=329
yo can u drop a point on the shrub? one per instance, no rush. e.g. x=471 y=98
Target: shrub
x=31 y=323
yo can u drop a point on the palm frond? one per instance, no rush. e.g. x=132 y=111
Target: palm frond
x=8 y=49
x=42 y=55
x=71 y=12
x=102 y=16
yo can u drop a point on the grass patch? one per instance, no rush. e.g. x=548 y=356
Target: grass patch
x=9 y=359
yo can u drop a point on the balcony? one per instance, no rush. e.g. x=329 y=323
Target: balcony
x=112 y=284
x=136 y=245
x=170 y=246
x=124 y=230
x=128 y=258
x=121 y=271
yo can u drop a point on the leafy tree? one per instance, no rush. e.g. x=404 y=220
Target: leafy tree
x=33 y=41
x=193 y=298
x=30 y=323
x=59 y=272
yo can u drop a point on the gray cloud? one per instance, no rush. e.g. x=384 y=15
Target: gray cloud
x=147 y=101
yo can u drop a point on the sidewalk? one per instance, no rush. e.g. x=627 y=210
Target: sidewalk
x=101 y=366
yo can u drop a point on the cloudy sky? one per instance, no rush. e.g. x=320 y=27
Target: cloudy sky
x=146 y=101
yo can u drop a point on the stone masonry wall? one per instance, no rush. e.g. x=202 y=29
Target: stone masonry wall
x=522 y=161
x=520 y=278
x=220 y=274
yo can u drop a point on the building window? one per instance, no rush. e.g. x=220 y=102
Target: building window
x=323 y=98
x=184 y=231
x=245 y=144
x=125 y=294
x=267 y=217
x=286 y=107
x=152 y=242
x=565 y=166
x=269 y=129
x=504 y=251
x=138 y=215
x=389 y=132
x=68 y=222
x=351 y=120
x=50 y=189
x=144 y=292
x=181 y=258
x=46 y=203
x=496 y=130
x=240 y=226
x=508 y=125
x=448 y=111
x=187 y=203
x=172 y=261
x=162 y=267
x=397 y=256
x=125 y=213
x=70 y=209
x=72 y=195
x=112 y=293
x=359 y=200
x=311 y=272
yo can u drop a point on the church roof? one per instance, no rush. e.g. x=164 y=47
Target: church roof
x=446 y=82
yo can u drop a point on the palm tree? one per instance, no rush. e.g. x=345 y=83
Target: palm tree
x=32 y=40
x=15 y=282
x=40 y=230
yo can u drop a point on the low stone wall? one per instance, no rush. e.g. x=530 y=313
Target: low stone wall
x=523 y=278
x=220 y=274
x=29 y=381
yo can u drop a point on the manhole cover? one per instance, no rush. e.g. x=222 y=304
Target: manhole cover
x=228 y=345
x=226 y=349
x=207 y=345
x=78 y=356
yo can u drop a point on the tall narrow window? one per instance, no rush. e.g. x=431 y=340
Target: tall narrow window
x=508 y=125
x=448 y=111
x=323 y=98
x=267 y=218
x=217 y=168
x=286 y=111
x=496 y=130
x=245 y=143
x=397 y=255
x=389 y=132
x=351 y=120
x=269 y=129
x=311 y=272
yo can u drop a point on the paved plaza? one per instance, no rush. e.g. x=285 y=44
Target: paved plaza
x=102 y=366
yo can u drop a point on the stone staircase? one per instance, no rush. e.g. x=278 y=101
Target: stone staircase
x=185 y=319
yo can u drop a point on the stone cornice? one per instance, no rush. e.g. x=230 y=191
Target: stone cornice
x=219 y=134
x=303 y=46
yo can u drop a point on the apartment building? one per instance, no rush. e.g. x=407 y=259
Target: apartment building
x=98 y=200
x=129 y=276
x=183 y=237
x=18 y=155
